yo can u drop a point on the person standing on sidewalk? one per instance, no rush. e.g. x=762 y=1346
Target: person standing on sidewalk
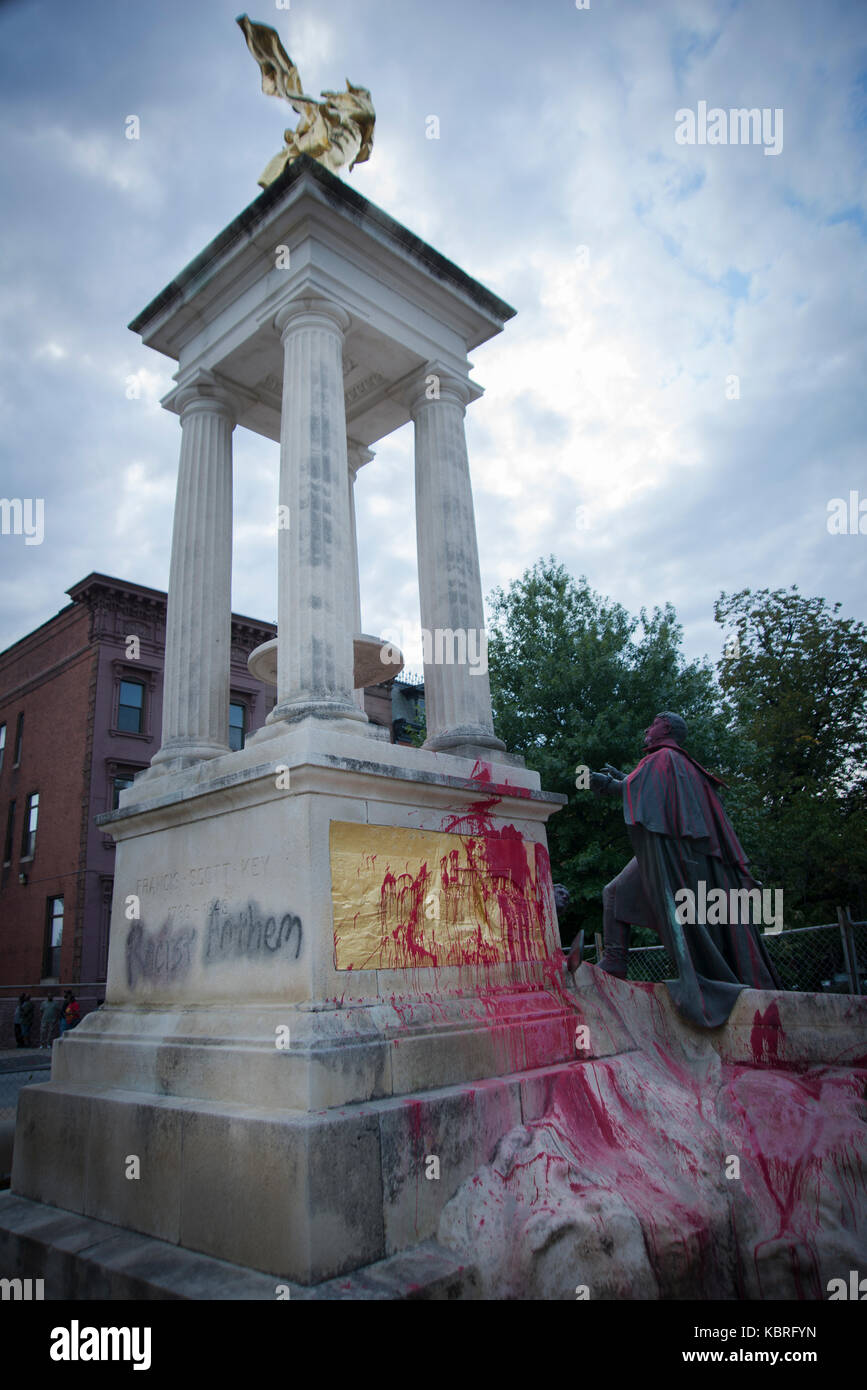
x=71 y=1014
x=48 y=1021
x=19 y=1041
x=23 y=1020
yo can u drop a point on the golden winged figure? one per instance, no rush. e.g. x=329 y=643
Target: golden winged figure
x=335 y=129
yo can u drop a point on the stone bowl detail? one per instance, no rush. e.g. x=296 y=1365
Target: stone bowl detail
x=369 y=666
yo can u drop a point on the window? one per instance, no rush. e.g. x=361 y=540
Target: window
x=133 y=689
x=118 y=776
x=130 y=709
x=31 y=816
x=19 y=736
x=237 y=726
x=2 y=743
x=118 y=784
x=53 y=939
x=10 y=831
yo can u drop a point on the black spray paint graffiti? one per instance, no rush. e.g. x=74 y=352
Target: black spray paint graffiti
x=245 y=932
x=160 y=958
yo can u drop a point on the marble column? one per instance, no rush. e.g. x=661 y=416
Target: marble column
x=457 y=689
x=357 y=456
x=199 y=613
x=315 y=600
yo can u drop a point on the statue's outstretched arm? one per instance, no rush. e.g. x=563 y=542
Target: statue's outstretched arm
x=603 y=785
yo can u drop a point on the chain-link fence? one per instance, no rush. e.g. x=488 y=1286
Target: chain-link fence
x=813 y=959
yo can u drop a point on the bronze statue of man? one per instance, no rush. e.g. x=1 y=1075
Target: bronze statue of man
x=683 y=840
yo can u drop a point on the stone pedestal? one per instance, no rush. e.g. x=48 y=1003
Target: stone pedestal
x=284 y=1109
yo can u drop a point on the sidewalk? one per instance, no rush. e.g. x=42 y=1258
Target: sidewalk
x=24 y=1058
x=19 y=1066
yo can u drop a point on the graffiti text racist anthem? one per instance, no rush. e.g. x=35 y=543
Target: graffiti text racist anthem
x=231 y=934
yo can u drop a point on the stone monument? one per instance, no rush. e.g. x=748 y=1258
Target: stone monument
x=334 y=973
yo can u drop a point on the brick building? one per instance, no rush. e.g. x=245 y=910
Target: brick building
x=80 y=714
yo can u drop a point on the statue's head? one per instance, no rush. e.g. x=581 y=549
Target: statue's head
x=665 y=726
x=561 y=897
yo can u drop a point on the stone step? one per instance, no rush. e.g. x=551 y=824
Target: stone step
x=83 y=1259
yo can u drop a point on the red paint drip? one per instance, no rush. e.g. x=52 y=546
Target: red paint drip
x=765 y=1036
x=494 y=879
x=627 y=1126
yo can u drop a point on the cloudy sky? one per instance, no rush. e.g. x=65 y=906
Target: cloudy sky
x=682 y=391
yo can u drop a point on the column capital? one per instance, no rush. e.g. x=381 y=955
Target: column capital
x=435 y=382
x=357 y=456
x=205 y=391
x=311 y=311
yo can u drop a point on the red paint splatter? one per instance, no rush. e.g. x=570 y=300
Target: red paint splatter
x=474 y=821
x=493 y=878
x=765 y=1036
x=627 y=1126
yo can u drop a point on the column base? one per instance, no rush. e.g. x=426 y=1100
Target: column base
x=290 y=712
x=340 y=724
x=481 y=753
x=174 y=757
x=468 y=741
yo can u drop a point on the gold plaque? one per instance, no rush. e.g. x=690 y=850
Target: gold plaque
x=405 y=899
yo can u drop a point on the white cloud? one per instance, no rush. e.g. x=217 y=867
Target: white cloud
x=110 y=159
x=53 y=351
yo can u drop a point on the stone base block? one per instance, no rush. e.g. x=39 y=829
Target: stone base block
x=302 y=1196
x=311 y=1057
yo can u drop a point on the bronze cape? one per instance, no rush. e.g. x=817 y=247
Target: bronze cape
x=681 y=836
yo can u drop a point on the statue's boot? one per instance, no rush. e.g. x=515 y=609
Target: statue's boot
x=615 y=936
x=576 y=955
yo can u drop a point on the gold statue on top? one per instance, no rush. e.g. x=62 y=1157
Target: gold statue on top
x=335 y=130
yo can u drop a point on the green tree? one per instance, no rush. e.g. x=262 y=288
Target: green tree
x=796 y=702
x=575 y=681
